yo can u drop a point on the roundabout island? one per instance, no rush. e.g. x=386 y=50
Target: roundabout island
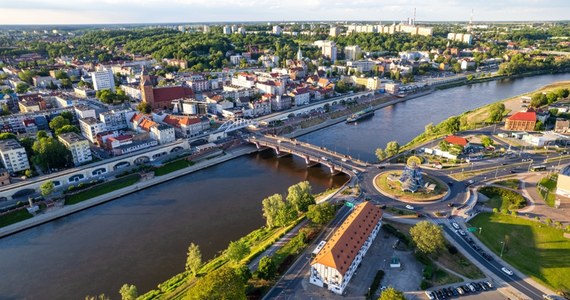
x=410 y=184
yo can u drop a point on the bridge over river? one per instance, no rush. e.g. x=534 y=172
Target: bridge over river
x=312 y=154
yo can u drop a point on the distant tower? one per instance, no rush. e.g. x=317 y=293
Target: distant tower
x=470 y=27
x=414 y=19
x=299 y=54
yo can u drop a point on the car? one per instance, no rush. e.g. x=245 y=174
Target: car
x=450 y=182
x=455 y=225
x=477 y=286
x=381 y=167
x=429 y=295
x=450 y=204
x=482 y=285
x=471 y=288
x=507 y=271
x=409 y=207
x=460 y=290
x=466 y=289
x=461 y=232
x=547 y=297
x=453 y=291
x=489 y=284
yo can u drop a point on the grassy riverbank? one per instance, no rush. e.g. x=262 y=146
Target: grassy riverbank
x=102 y=189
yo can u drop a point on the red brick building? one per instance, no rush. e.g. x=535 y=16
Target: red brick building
x=161 y=97
x=521 y=121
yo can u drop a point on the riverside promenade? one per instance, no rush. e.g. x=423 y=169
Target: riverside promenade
x=70 y=209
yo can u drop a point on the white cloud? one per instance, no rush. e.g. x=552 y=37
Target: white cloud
x=125 y=11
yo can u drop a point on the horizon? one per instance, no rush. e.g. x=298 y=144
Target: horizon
x=117 y=12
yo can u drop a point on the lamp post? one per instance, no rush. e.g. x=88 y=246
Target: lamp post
x=480 y=228
x=502 y=248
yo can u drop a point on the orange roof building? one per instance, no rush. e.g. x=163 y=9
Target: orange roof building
x=337 y=261
x=521 y=121
x=457 y=140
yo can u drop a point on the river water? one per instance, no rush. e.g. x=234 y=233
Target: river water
x=142 y=238
x=404 y=121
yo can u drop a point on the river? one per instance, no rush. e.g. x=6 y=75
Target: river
x=142 y=238
x=404 y=121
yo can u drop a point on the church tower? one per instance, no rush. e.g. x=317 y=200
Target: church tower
x=147 y=88
x=299 y=54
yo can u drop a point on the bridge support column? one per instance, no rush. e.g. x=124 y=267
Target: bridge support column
x=257 y=145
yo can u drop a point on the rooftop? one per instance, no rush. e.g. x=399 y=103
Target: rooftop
x=523 y=116
x=71 y=137
x=9 y=144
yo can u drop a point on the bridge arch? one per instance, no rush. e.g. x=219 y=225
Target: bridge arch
x=23 y=192
x=76 y=178
x=141 y=160
x=176 y=149
x=98 y=171
x=121 y=165
x=157 y=155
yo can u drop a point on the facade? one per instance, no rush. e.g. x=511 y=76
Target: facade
x=521 y=121
x=103 y=79
x=187 y=126
x=352 y=52
x=78 y=146
x=90 y=127
x=114 y=119
x=84 y=111
x=164 y=134
x=334 y=31
x=328 y=49
x=337 y=261
x=461 y=37
x=562 y=126
x=162 y=97
x=13 y=155
x=301 y=96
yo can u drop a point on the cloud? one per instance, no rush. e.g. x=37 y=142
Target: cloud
x=142 y=11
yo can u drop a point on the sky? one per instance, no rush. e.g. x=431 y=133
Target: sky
x=180 y=11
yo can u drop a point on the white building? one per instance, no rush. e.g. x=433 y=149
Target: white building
x=461 y=37
x=235 y=59
x=328 y=49
x=337 y=261
x=227 y=29
x=352 y=52
x=277 y=30
x=78 y=146
x=13 y=156
x=114 y=119
x=90 y=127
x=103 y=79
x=164 y=134
x=334 y=31
x=84 y=111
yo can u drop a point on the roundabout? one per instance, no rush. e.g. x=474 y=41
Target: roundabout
x=410 y=184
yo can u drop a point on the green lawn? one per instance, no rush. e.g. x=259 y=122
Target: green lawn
x=503 y=199
x=172 y=166
x=394 y=188
x=101 y=189
x=510 y=183
x=533 y=248
x=551 y=186
x=14 y=217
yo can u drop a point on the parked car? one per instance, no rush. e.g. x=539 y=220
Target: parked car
x=409 y=207
x=507 y=271
x=489 y=284
x=430 y=295
x=455 y=225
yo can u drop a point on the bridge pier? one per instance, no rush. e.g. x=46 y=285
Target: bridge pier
x=309 y=162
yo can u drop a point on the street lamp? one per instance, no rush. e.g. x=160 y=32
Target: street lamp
x=502 y=248
x=480 y=228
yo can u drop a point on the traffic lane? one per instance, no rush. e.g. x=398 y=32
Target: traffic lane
x=495 y=267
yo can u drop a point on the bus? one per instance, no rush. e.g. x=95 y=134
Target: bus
x=538 y=168
x=318 y=248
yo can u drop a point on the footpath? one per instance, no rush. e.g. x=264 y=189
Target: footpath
x=70 y=209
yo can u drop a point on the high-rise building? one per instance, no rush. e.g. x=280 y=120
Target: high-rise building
x=13 y=156
x=277 y=30
x=328 y=49
x=103 y=79
x=334 y=31
x=227 y=29
x=78 y=146
x=352 y=52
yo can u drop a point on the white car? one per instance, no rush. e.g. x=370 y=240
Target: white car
x=409 y=207
x=430 y=295
x=507 y=271
x=455 y=225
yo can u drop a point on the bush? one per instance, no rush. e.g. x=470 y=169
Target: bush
x=375 y=284
x=391 y=229
x=425 y=285
x=428 y=271
x=452 y=249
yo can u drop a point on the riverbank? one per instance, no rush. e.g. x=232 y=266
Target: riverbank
x=141 y=185
x=331 y=122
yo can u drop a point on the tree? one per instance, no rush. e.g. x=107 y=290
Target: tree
x=429 y=129
x=451 y=125
x=193 y=259
x=58 y=122
x=427 y=236
x=277 y=212
x=496 y=112
x=22 y=88
x=47 y=188
x=266 y=269
x=392 y=294
x=392 y=148
x=321 y=213
x=237 y=250
x=67 y=115
x=299 y=195
x=443 y=145
x=100 y=297
x=7 y=136
x=538 y=126
x=41 y=134
x=50 y=153
x=67 y=128
x=243 y=271
x=487 y=141
x=222 y=283
x=128 y=292
x=144 y=107
x=380 y=154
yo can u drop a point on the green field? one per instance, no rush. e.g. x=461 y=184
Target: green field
x=535 y=249
x=510 y=183
x=14 y=217
x=503 y=199
x=101 y=189
x=172 y=166
x=551 y=186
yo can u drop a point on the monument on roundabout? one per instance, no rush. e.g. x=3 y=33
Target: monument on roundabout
x=411 y=179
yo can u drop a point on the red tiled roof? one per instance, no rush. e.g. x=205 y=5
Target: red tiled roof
x=169 y=93
x=456 y=140
x=146 y=124
x=523 y=116
x=343 y=246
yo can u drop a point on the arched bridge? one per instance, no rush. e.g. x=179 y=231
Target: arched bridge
x=310 y=153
